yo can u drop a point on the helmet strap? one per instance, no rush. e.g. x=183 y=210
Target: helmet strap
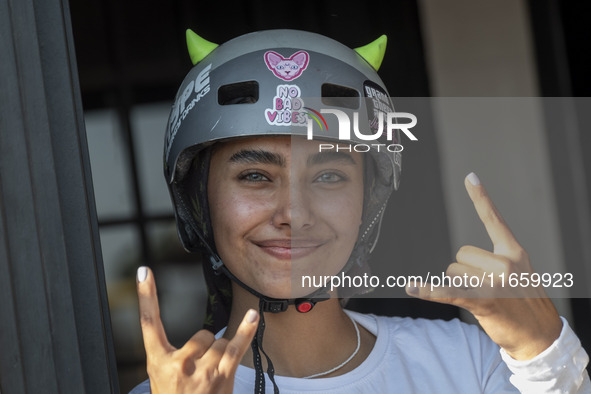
x=273 y=305
x=257 y=348
x=269 y=304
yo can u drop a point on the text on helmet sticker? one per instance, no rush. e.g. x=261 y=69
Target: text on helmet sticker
x=378 y=103
x=194 y=91
x=288 y=107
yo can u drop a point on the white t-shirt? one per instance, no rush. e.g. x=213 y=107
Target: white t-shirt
x=436 y=356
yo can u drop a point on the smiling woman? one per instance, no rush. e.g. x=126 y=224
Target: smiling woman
x=268 y=207
x=277 y=210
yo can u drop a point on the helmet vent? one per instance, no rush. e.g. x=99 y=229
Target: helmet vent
x=239 y=93
x=340 y=96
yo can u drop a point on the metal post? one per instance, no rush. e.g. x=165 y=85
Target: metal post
x=54 y=321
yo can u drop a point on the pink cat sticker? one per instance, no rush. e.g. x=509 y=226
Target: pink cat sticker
x=287 y=69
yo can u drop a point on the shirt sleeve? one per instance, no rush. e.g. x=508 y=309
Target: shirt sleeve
x=558 y=369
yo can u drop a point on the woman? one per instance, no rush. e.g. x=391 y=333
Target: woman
x=269 y=200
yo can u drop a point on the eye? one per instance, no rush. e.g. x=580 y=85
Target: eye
x=330 y=177
x=253 y=177
x=294 y=67
x=279 y=67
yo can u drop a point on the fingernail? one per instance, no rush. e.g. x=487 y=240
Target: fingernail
x=252 y=315
x=412 y=289
x=142 y=274
x=473 y=178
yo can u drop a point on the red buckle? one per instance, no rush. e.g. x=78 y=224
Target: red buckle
x=304 y=306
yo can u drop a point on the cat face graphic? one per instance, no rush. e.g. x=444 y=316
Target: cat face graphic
x=287 y=68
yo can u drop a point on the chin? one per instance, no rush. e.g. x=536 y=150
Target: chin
x=285 y=289
x=279 y=292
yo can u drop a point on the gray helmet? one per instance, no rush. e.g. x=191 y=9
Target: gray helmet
x=233 y=91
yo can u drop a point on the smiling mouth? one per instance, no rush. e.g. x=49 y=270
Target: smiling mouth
x=289 y=248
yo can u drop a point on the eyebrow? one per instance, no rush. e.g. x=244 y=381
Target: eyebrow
x=326 y=157
x=257 y=156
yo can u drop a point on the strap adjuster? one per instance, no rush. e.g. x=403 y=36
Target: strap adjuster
x=216 y=262
x=274 y=306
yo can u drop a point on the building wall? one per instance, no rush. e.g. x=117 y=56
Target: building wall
x=482 y=69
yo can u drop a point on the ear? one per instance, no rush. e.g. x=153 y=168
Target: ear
x=374 y=52
x=301 y=59
x=272 y=58
x=198 y=47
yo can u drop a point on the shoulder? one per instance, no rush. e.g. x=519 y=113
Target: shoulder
x=421 y=329
x=452 y=342
x=451 y=339
x=447 y=354
x=441 y=328
x=142 y=388
x=421 y=326
x=443 y=336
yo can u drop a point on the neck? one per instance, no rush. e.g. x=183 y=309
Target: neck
x=304 y=344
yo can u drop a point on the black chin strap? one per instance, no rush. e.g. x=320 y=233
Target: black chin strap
x=257 y=348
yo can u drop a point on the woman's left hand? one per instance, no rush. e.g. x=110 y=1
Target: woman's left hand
x=521 y=319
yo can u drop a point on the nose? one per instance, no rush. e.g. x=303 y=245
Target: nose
x=294 y=208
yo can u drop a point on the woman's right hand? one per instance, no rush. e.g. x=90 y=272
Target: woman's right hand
x=203 y=364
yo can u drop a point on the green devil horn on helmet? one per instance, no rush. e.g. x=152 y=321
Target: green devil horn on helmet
x=198 y=47
x=374 y=51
